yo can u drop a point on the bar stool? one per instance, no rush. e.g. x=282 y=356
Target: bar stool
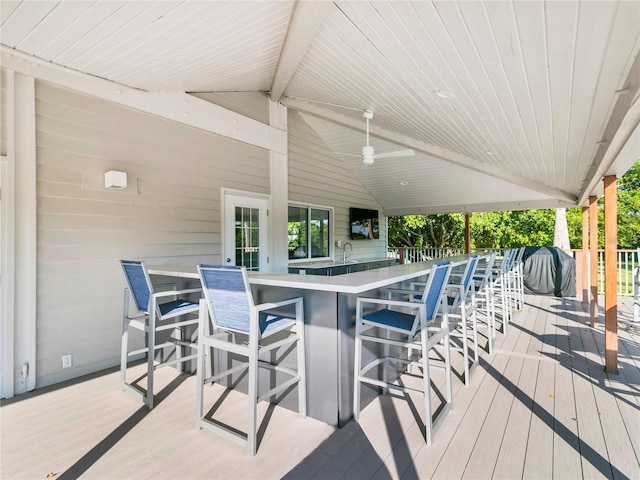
x=406 y=326
x=241 y=328
x=485 y=306
x=154 y=318
x=461 y=298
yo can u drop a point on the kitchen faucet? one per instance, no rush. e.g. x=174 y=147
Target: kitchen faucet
x=344 y=251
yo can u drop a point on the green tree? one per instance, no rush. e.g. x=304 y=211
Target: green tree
x=629 y=208
x=407 y=231
x=574 y=223
x=444 y=230
x=512 y=229
x=628 y=196
x=487 y=229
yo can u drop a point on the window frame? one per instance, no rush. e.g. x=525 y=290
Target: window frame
x=309 y=207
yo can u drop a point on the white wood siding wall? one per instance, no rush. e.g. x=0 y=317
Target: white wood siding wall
x=170 y=213
x=316 y=176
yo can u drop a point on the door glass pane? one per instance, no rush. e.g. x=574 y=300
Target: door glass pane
x=254 y=217
x=247 y=224
x=319 y=233
x=297 y=232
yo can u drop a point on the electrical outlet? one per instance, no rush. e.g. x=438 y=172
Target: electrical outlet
x=20 y=383
x=67 y=361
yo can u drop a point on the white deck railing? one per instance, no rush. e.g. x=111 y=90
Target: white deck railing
x=418 y=254
x=627 y=260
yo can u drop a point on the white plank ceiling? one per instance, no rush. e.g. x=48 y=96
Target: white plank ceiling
x=542 y=96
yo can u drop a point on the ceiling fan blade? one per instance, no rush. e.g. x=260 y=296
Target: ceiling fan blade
x=396 y=154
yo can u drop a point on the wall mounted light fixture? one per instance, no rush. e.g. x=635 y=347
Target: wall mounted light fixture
x=115 y=180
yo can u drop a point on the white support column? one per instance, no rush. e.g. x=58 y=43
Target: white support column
x=19 y=240
x=279 y=183
x=7 y=269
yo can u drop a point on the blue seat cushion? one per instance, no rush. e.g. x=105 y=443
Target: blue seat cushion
x=177 y=307
x=268 y=323
x=391 y=318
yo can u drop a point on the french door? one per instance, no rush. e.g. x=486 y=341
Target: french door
x=246 y=231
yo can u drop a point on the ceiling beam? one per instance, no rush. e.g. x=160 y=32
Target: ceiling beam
x=624 y=133
x=479 y=207
x=433 y=150
x=176 y=106
x=306 y=19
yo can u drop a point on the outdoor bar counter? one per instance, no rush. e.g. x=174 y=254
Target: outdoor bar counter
x=329 y=314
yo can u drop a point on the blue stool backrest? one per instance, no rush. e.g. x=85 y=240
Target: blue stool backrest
x=435 y=288
x=226 y=291
x=138 y=282
x=485 y=273
x=471 y=268
x=489 y=266
x=512 y=258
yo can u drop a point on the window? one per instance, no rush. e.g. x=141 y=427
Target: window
x=309 y=232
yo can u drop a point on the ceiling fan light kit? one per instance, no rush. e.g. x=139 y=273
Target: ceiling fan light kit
x=367 y=155
x=368 y=152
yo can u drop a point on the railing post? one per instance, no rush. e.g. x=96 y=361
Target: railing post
x=401 y=254
x=585 y=257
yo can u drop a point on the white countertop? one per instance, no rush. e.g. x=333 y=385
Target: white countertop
x=357 y=282
x=353 y=283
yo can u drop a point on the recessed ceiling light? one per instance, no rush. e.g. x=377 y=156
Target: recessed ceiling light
x=404 y=183
x=444 y=94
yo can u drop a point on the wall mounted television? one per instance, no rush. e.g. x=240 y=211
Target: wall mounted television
x=364 y=223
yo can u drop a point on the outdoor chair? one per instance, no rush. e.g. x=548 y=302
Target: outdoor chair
x=158 y=319
x=231 y=323
x=517 y=271
x=502 y=287
x=485 y=306
x=405 y=326
x=461 y=299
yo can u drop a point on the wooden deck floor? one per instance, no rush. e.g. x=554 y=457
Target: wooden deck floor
x=540 y=407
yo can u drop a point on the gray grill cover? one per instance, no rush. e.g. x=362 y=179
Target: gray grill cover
x=549 y=271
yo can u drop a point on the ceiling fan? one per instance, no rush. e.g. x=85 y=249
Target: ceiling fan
x=368 y=152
